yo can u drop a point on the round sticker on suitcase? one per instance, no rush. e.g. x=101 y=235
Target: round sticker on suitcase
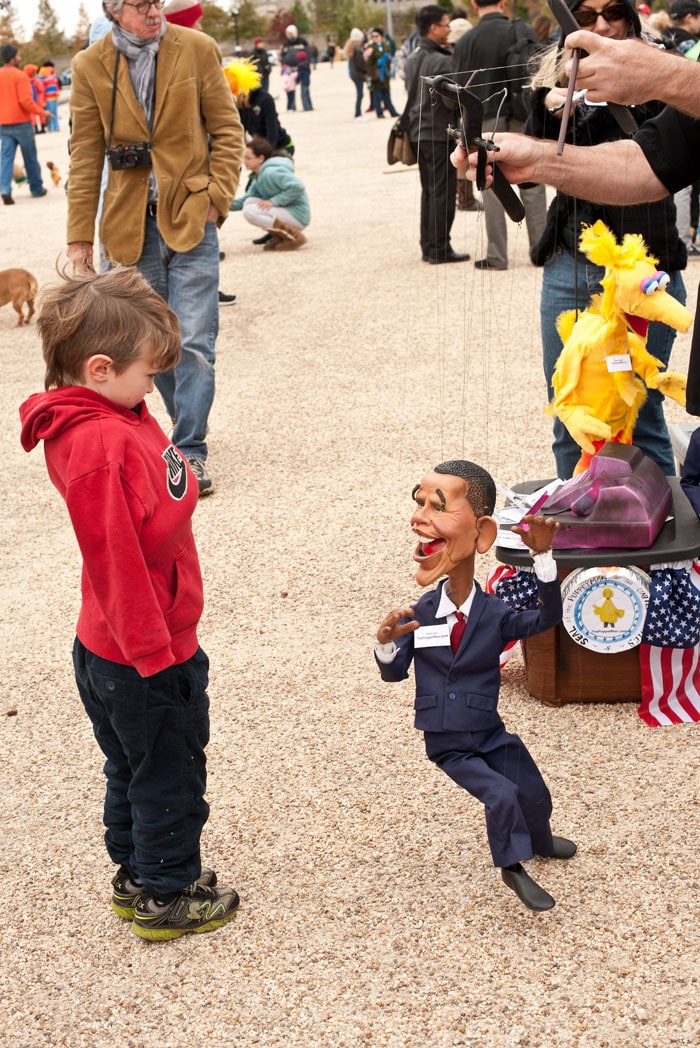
x=604 y=608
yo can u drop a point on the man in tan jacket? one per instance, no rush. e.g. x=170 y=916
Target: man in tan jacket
x=153 y=95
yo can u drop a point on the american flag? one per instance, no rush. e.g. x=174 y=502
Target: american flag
x=518 y=589
x=669 y=654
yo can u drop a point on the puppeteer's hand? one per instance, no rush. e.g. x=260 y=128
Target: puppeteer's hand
x=390 y=629
x=539 y=532
x=623 y=71
x=519 y=159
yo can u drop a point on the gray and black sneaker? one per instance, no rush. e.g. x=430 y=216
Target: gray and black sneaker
x=126 y=894
x=196 y=908
x=198 y=467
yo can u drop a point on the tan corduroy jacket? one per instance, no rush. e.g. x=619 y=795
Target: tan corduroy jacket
x=196 y=141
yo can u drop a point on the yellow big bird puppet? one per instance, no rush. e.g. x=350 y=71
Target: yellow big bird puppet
x=604 y=370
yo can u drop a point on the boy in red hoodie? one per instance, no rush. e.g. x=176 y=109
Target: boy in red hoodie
x=140 y=672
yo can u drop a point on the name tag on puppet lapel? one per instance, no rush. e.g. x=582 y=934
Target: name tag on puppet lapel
x=432 y=636
x=619 y=362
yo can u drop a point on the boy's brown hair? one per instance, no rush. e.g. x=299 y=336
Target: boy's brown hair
x=116 y=313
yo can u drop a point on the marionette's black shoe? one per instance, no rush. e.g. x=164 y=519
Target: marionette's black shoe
x=563 y=849
x=527 y=890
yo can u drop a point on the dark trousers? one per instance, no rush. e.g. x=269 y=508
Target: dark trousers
x=152 y=731
x=497 y=769
x=438 y=179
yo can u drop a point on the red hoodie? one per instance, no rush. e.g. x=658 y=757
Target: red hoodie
x=131 y=497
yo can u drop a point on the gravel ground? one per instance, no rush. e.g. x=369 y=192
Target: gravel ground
x=370 y=913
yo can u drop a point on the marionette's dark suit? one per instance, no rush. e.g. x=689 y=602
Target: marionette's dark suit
x=456 y=707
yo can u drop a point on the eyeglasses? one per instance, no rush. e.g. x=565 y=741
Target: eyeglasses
x=612 y=13
x=144 y=7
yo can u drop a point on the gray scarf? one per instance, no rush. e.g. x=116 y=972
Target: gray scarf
x=141 y=57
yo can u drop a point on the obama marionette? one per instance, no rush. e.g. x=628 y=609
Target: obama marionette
x=455 y=635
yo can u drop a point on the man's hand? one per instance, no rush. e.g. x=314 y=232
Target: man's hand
x=537 y=534
x=519 y=158
x=390 y=630
x=616 y=70
x=213 y=214
x=80 y=254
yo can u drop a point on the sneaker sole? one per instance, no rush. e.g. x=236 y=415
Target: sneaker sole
x=125 y=912
x=168 y=934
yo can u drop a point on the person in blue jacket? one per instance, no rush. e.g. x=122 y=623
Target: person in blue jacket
x=275 y=199
x=454 y=635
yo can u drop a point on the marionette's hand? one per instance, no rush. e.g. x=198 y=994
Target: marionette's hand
x=390 y=629
x=538 y=533
x=671 y=383
x=583 y=426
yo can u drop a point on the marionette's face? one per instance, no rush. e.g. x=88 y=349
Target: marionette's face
x=446 y=527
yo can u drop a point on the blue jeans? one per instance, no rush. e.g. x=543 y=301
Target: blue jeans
x=304 y=82
x=52 y=106
x=22 y=135
x=559 y=286
x=381 y=97
x=189 y=283
x=359 y=89
x=153 y=732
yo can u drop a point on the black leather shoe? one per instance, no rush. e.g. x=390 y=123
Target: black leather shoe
x=226 y=300
x=449 y=256
x=527 y=890
x=563 y=849
x=264 y=239
x=7 y=199
x=483 y=263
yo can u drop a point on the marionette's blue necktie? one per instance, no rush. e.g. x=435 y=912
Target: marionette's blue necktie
x=457 y=631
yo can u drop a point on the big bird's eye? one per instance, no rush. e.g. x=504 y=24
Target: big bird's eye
x=650 y=285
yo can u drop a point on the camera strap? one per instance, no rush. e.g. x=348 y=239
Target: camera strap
x=114 y=98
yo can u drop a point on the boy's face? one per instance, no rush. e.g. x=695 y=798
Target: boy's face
x=444 y=524
x=130 y=386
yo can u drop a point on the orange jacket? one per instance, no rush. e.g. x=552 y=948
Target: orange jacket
x=16 y=103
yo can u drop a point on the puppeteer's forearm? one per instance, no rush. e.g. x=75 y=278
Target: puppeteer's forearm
x=613 y=173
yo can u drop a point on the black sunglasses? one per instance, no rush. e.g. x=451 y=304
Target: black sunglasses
x=613 y=13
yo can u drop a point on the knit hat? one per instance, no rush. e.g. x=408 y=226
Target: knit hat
x=184 y=13
x=8 y=52
x=291 y=32
x=258 y=40
x=632 y=14
x=680 y=8
x=31 y=70
x=458 y=27
x=356 y=34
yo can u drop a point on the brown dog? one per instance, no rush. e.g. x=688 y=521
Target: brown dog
x=18 y=286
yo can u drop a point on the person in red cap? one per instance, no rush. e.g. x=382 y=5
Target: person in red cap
x=262 y=61
x=184 y=13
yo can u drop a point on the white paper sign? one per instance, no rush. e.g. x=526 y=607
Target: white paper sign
x=432 y=636
x=619 y=362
